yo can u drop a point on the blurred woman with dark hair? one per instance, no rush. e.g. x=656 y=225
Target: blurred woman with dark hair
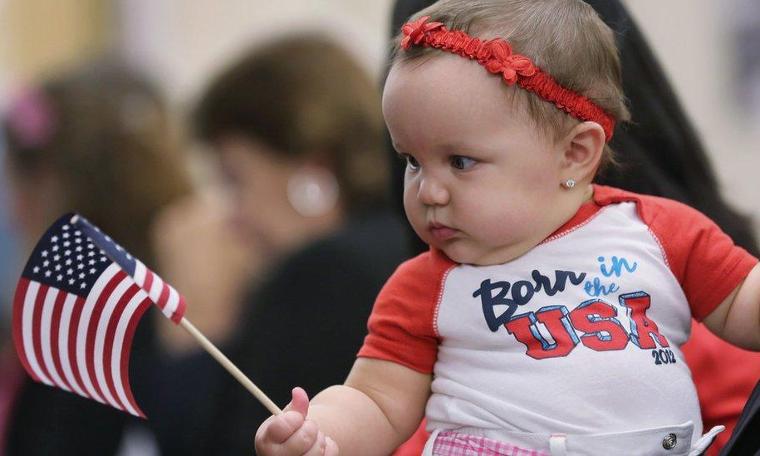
x=296 y=126
x=97 y=141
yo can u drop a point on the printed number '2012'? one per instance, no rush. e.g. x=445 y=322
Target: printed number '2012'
x=664 y=356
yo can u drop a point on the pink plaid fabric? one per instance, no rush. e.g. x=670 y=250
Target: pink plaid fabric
x=451 y=443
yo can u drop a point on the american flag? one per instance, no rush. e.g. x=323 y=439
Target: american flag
x=76 y=309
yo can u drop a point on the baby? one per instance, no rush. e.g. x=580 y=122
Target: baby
x=548 y=314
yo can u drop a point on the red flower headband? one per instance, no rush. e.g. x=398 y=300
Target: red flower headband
x=497 y=57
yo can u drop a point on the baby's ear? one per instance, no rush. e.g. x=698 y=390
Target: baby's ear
x=582 y=148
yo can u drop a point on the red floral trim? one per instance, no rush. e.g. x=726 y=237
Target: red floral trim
x=497 y=57
x=415 y=31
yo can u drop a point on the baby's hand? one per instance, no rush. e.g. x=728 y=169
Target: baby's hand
x=291 y=434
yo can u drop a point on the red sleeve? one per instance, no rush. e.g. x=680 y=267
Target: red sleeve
x=706 y=262
x=724 y=376
x=401 y=326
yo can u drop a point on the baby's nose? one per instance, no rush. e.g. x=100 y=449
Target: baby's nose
x=432 y=192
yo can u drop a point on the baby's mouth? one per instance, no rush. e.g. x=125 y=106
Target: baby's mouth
x=441 y=232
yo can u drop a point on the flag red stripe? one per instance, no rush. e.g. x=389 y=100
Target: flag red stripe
x=18 y=338
x=76 y=313
x=37 y=329
x=92 y=327
x=180 y=312
x=125 y=353
x=108 y=343
x=55 y=326
x=164 y=298
x=148 y=280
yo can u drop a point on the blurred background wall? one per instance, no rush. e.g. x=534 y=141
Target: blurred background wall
x=182 y=41
x=709 y=48
x=703 y=45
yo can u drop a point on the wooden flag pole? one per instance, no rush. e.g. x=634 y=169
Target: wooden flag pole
x=231 y=368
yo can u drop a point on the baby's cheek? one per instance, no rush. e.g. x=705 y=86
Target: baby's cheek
x=498 y=233
x=502 y=225
x=418 y=222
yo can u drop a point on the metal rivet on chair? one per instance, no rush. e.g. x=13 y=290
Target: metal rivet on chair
x=669 y=442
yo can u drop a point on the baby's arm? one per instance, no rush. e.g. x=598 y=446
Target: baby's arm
x=737 y=318
x=378 y=408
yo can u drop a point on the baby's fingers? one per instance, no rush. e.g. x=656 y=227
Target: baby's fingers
x=323 y=446
x=278 y=429
x=318 y=448
x=303 y=441
x=288 y=433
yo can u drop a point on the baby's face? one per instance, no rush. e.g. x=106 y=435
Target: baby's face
x=482 y=182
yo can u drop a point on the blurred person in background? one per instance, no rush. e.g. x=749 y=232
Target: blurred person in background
x=297 y=130
x=9 y=368
x=98 y=141
x=659 y=153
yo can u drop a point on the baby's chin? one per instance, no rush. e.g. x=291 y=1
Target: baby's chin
x=465 y=255
x=462 y=250
x=460 y=255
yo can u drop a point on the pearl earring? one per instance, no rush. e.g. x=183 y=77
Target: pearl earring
x=568 y=184
x=313 y=192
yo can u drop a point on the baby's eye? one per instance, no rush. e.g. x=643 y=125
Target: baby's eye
x=411 y=162
x=462 y=162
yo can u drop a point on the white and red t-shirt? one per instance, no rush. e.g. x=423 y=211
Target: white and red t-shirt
x=580 y=335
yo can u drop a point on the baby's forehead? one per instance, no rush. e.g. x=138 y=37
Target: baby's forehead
x=453 y=85
x=439 y=68
x=448 y=99
x=446 y=76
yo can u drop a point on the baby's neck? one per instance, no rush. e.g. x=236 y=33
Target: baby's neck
x=569 y=207
x=588 y=193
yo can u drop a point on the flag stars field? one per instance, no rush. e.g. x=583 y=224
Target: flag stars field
x=49 y=265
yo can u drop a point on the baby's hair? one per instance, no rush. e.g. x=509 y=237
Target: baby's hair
x=565 y=38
